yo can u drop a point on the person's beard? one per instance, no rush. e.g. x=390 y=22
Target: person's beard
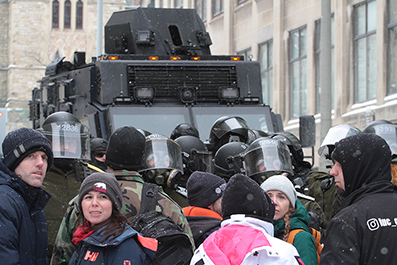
x=341 y=192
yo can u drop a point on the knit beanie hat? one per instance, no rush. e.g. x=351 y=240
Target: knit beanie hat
x=283 y=184
x=22 y=142
x=244 y=196
x=126 y=148
x=204 y=188
x=105 y=183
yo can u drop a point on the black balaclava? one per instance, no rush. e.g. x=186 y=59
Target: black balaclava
x=365 y=158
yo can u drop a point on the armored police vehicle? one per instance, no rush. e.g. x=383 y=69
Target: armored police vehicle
x=157 y=72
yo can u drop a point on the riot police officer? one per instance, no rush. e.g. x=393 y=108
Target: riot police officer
x=387 y=131
x=184 y=129
x=162 y=165
x=227 y=160
x=228 y=129
x=70 y=144
x=269 y=156
x=98 y=152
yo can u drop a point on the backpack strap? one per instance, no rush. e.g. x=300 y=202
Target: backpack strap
x=292 y=235
x=149 y=197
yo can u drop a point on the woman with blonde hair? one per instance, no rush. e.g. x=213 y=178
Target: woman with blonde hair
x=290 y=214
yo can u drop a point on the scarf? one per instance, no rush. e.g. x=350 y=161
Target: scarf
x=83 y=231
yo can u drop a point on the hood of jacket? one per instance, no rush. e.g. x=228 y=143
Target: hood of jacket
x=365 y=158
x=35 y=198
x=299 y=220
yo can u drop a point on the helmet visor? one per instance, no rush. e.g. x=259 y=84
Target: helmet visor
x=202 y=161
x=269 y=155
x=162 y=153
x=335 y=134
x=68 y=140
x=229 y=125
x=389 y=133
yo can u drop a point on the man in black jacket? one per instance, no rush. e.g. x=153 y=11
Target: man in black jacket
x=204 y=194
x=27 y=158
x=365 y=230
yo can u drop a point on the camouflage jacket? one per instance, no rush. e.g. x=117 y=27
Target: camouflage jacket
x=63 y=186
x=131 y=184
x=329 y=200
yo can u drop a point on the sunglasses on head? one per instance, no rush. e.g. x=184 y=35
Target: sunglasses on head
x=99 y=154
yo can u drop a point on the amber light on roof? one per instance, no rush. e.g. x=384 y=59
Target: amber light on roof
x=196 y=58
x=174 y=58
x=112 y=58
x=235 y=58
x=153 y=58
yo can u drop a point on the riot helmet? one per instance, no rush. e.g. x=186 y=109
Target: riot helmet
x=333 y=135
x=195 y=155
x=387 y=131
x=293 y=144
x=144 y=132
x=98 y=152
x=184 y=129
x=162 y=162
x=228 y=129
x=69 y=138
x=98 y=144
x=266 y=157
x=228 y=160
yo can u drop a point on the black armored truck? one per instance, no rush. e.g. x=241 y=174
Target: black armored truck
x=157 y=71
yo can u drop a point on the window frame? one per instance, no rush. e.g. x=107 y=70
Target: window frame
x=201 y=8
x=267 y=71
x=55 y=14
x=67 y=15
x=357 y=38
x=391 y=29
x=79 y=14
x=217 y=5
x=317 y=61
x=301 y=58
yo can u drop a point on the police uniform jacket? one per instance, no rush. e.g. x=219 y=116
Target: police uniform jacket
x=23 y=238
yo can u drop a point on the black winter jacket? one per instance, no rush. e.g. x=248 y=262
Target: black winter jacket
x=23 y=225
x=365 y=230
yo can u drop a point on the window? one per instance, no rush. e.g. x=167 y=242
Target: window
x=392 y=48
x=217 y=7
x=247 y=54
x=317 y=58
x=79 y=14
x=266 y=62
x=201 y=8
x=297 y=70
x=68 y=7
x=364 y=51
x=55 y=14
x=239 y=2
x=178 y=4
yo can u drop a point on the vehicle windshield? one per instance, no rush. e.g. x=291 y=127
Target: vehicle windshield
x=163 y=119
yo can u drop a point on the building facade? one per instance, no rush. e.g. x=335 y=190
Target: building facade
x=284 y=35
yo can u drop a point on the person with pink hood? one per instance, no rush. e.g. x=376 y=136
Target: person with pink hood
x=246 y=233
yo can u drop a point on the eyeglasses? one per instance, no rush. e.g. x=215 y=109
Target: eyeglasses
x=99 y=154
